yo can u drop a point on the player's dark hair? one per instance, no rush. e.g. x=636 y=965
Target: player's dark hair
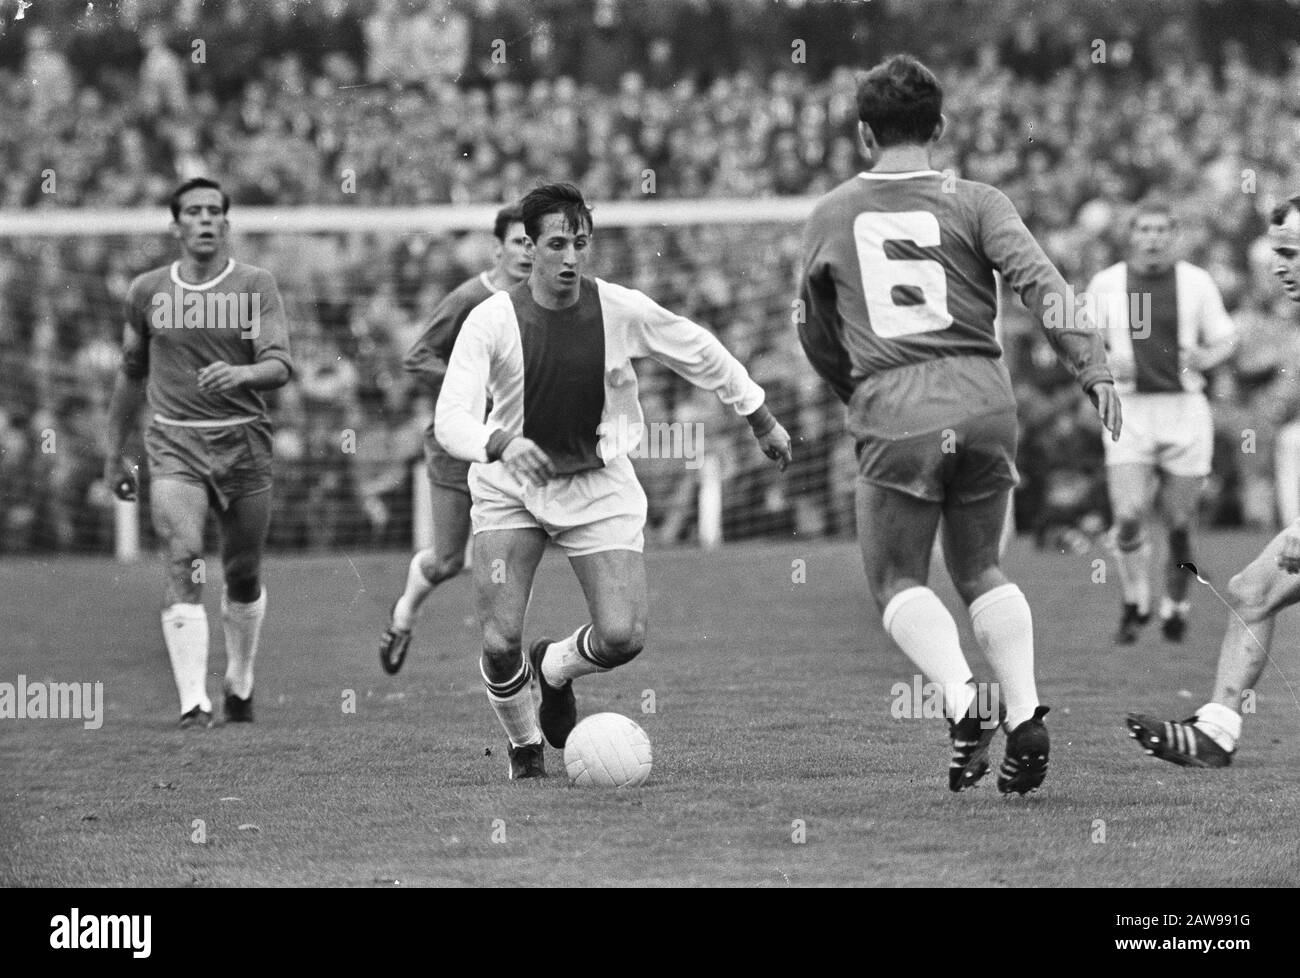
x=506 y=217
x=1280 y=212
x=901 y=100
x=196 y=183
x=555 y=198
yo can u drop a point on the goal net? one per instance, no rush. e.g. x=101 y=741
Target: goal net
x=358 y=285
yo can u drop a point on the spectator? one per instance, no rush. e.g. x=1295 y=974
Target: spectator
x=162 y=78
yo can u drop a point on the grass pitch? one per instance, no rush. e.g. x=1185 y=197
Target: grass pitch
x=771 y=685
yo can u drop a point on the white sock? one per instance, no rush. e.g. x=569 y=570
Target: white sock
x=917 y=620
x=418 y=588
x=185 y=633
x=1220 y=724
x=1134 y=568
x=1004 y=628
x=512 y=701
x=571 y=658
x=243 y=626
x=1169 y=607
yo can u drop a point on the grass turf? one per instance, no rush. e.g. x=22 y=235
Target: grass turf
x=772 y=716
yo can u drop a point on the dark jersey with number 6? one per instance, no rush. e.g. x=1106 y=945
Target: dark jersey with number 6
x=899 y=269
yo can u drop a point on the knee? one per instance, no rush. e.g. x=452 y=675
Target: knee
x=186 y=572
x=1248 y=596
x=502 y=652
x=444 y=566
x=243 y=578
x=970 y=587
x=1128 y=530
x=621 y=643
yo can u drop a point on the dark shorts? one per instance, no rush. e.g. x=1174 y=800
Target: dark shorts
x=938 y=430
x=445 y=470
x=230 y=462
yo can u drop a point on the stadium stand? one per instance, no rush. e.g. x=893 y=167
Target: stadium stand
x=343 y=105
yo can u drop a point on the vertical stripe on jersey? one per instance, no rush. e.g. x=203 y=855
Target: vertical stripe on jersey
x=564 y=376
x=1155 y=335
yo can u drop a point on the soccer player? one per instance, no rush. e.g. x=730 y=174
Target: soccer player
x=448 y=475
x=1255 y=596
x=551 y=462
x=899 y=299
x=1165 y=325
x=204 y=336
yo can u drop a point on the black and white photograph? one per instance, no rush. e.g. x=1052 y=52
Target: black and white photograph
x=647 y=444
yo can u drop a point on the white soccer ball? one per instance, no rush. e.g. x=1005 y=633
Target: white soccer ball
x=609 y=750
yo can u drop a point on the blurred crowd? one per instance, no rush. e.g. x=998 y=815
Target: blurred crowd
x=393 y=103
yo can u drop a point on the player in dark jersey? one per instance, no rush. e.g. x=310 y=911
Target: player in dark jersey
x=1270 y=583
x=448 y=475
x=899 y=298
x=551 y=462
x=204 y=336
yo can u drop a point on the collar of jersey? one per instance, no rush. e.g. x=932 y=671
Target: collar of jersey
x=486 y=279
x=200 y=286
x=900 y=175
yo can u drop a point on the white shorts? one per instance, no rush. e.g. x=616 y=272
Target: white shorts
x=1170 y=432
x=600 y=509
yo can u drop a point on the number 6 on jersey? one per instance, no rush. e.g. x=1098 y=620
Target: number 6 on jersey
x=920 y=279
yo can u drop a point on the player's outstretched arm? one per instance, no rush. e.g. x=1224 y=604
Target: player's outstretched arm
x=692 y=352
x=1065 y=322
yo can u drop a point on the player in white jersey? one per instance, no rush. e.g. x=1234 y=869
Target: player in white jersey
x=1165 y=325
x=1270 y=583
x=204 y=336
x=554 y=354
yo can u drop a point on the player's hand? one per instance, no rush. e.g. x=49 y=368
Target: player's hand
x=526 y=461
x=120 y=478
x=1106 y=401
x=219 y=377
x=776 y=445
x=1288 y=558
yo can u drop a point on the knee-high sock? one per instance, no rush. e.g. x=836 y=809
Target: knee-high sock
x=185 y=633
x=570 y=658
x=513 y=703
x=1004 y=628
x=1133 y=561
x=242 y=624
x=418 y=587
x=917 y=620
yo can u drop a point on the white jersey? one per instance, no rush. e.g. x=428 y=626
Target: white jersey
x=564 y=378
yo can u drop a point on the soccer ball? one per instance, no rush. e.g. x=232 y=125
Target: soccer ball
x=609 y=750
